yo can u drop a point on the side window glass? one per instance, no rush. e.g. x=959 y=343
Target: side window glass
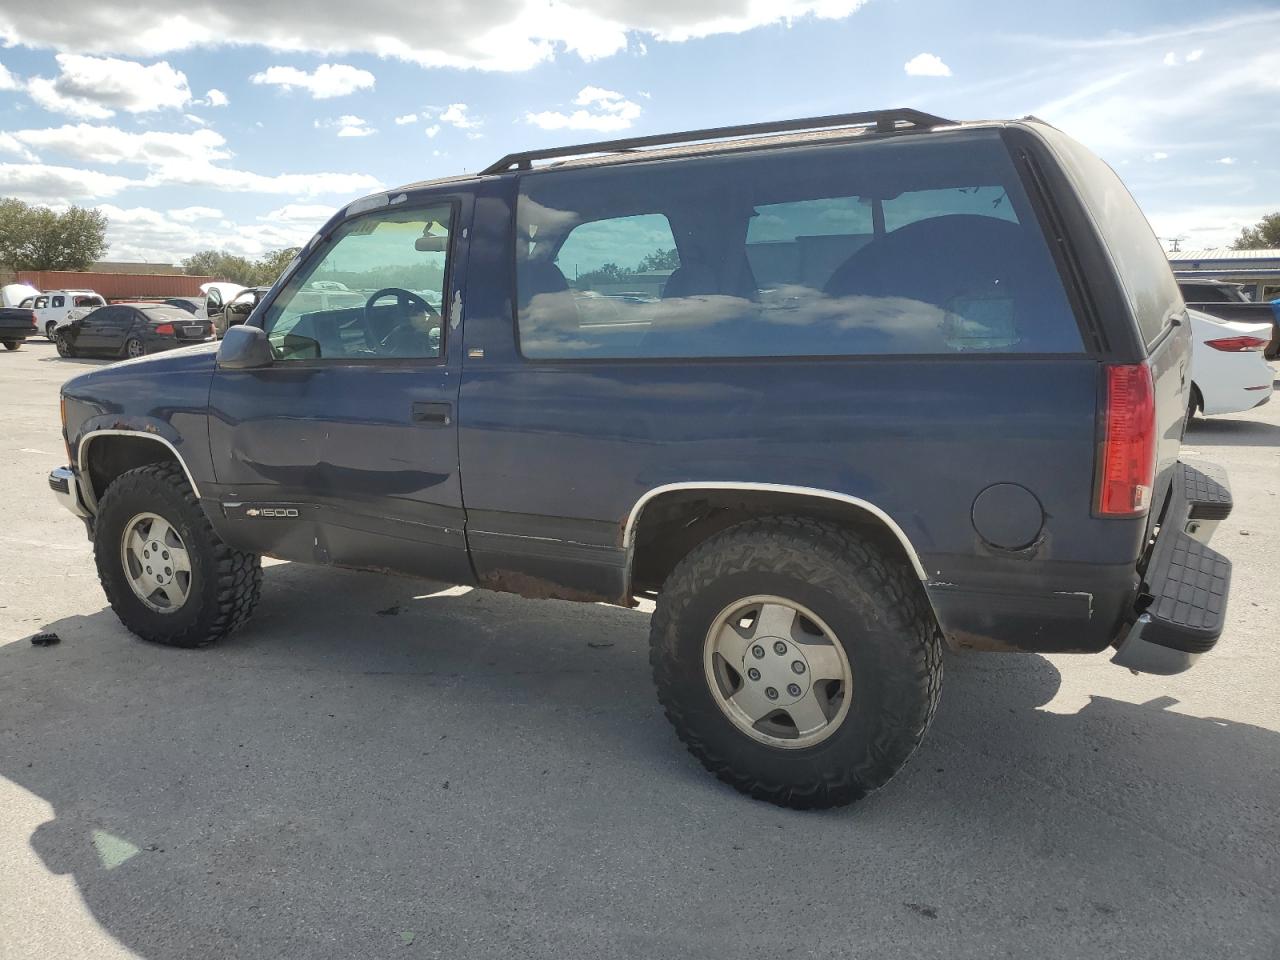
x=59 y=301
x=42 y=302
x=374 y=289
x=892 y=248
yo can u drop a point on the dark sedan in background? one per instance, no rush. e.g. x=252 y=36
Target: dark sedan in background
x=131 y=330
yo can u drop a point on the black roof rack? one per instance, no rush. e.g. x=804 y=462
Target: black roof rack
x=885 y=121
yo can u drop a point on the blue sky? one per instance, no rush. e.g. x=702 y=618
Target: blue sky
x=109 y=104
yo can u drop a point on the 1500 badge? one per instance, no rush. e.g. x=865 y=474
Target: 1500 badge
x=261 y=511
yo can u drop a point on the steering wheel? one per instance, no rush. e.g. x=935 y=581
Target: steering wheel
x=394 y=340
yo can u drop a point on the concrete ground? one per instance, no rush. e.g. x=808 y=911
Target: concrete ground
x=381 y=767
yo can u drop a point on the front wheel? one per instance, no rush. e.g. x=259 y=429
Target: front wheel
x=12 y=344
x=797 y=661
x=51 y=331
x=134 y=347
x=166 y=573
x=64 y=345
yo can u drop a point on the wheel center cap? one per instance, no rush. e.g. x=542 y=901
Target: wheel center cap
x=778 y=669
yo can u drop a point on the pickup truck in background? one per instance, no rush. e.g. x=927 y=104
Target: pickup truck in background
x=16 y=324
x=1227 y=301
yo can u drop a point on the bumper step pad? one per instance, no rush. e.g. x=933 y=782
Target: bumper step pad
x=1188 y=582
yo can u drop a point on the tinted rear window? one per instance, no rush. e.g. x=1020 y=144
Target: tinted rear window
x=1144 y=269
x=911 y=246
x=165 y=313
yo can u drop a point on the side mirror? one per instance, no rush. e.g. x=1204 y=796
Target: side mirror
x=244 y=348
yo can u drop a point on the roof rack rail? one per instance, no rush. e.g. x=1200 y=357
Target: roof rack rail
x=885 y=122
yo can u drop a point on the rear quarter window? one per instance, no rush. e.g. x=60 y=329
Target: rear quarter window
x=1143 y=267
x=899 y=247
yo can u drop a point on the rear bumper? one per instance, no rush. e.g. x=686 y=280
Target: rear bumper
x=1182 y=605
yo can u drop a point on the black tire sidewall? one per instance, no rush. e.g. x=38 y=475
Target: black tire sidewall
x=64 y=345
x=862 y=639
x=144 y=493
x=12 y=344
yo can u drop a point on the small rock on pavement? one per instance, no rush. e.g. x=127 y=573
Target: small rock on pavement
x=45 y=639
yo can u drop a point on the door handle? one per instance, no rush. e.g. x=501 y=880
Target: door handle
x=433 y=414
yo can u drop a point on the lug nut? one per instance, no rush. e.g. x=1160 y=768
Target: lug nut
x=771 y=693
x=797 y=666
x=793 y=689
x=753 y=674
x=165 y=554
x=146 y=554
x=758 y=652
x=779 y=648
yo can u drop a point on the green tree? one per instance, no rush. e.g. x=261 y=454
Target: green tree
x=272 y=264
x=659 y=260
x=1263 y=235
x=222 y=265
x=37 y=238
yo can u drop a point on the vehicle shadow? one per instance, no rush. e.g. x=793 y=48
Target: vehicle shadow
x=1233 y=433
x=372 y=763
x=89 y=361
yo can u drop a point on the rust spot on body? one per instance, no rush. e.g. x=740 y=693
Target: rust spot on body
x=536 y=588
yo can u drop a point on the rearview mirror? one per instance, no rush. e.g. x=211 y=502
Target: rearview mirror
x=431 y=244
x=244 y=348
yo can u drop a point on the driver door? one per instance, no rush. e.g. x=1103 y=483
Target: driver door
x=344 y=449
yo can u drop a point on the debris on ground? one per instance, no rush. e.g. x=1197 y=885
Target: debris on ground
x=407 y=936
x=391 y=611
x=45 y=639
x=599 y=644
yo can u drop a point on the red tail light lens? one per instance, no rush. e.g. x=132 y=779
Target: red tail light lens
x=1236 y=344
x=164 y=328
x=1128 y=442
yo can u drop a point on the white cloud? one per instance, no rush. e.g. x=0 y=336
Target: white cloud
x=307 y=213
x=1226 y=161
x=432 y=130
x=216 y=98
x=456 y=114
x=1170 y=59
x=407 y=118
x=192 y=118
x=7 y=80
x=192 y=214
x=347 y=125
x=169 y=159
x=328 y=80
x=142 y=233
x=45 y=183
x=926 y=65
x=1158 y=155
x=600 y=109
x=1194 y=55
x=95 y=88
x=110 y=145
x=511 y=35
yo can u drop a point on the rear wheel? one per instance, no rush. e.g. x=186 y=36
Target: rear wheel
x=50 y=330
x=166 y=573
x=64 y=345
x=796 y=660
x=134 y=347
x=12 y=344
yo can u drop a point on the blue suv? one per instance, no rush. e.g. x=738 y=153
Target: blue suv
x=833 y=393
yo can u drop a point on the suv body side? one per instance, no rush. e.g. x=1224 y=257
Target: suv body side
x=574 y=473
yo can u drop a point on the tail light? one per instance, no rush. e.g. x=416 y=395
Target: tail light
x=1127 y=474
x=33 y=319
x=1237 y=344
x=165 y=328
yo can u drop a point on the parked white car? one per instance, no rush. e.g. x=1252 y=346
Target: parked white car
x=57 y=306
x=1228 y=371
